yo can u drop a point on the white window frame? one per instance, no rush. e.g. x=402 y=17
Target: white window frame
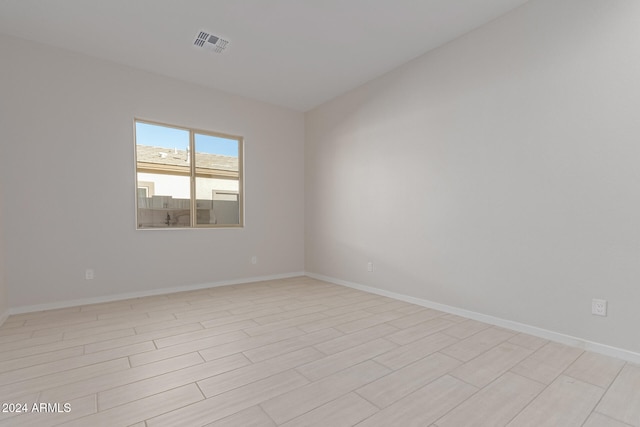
x=192 y=172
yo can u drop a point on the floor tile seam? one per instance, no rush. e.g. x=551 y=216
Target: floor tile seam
x=609 y=416
x=414 y=340
x=98 y=411
x=105 y=332
x=47 y=388
x=323 y=327
x=136 y=342
x=172 y=371
x=114 y=314
x=59 y=360
x=97 y=342
x=480 y=354
x=549 y=385
x=543 y=359
x=584 y=380
x=65 y=370
x=544 y=386
x=238 y=368
x=226 y=320
x=128 y=316
x=370 y=359
x=174 y=326
x=210 y=298
x=533 y=399
x=344 y=369
x=396 y=346
x=165 y=311
x=180 y=302
x=104 y=305
x=60 y=323
x=7 y=323
x=155 y=349
x=424 y=356
x=219 y=333
x=534 y=379
x=244 y=367
x=31 y=331
x=196 y=313
x=252 y=363
x=478 y=390
x=264 y=412
x=209 y=348
x=313 y=409
x=402 y=328
x=307 y=345
x=322 y=404
x=374 y=405
x=150 y=396
x=444 y=331
x=118 y=347
x=552 y=367
x=367 y=327
x=365 y=342
x=419 y=360
x=530 y=352
x=94 y=394
x=595 y=407
x=255 y=381
x=277 y=327
x=42 y=354
x=288 y=319
x=5 y=351
x=507 y=370
x=132 y=382
x=414 y=391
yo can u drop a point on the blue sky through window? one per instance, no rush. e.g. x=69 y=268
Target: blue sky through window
x=167 y=137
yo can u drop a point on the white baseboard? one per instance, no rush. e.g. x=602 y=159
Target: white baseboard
x=152 y=292
x=4 y=316
x=595 y=347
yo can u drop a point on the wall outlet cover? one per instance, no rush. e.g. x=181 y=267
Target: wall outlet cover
x=599 y=307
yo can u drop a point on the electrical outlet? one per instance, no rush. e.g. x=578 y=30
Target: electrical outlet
x=599 y=307
x=370 y=267
x=88 y=274
x=254 y=259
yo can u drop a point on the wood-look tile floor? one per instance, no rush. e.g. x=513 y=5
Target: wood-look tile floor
x=297 y=352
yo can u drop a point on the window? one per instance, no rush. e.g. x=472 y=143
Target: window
x=187 y=178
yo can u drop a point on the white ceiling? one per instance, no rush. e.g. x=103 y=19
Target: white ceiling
x=293 y=53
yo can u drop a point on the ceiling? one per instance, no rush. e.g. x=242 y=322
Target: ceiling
x=293 y=53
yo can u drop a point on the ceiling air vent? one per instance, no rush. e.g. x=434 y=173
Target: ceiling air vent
x=210 y=42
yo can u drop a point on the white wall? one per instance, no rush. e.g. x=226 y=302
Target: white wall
x=498 y=174
x=67 y=152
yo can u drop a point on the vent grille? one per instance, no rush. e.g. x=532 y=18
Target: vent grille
x=208 y=41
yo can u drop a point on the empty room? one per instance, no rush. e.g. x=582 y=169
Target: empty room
x=320 y=213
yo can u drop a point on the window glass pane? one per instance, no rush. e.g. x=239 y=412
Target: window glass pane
x=217 y=181
x=187 y=178
x=163 y=168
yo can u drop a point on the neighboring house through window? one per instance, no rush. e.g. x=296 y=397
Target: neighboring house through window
x=187 y=178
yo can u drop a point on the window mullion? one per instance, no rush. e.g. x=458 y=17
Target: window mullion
x=192 y=166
